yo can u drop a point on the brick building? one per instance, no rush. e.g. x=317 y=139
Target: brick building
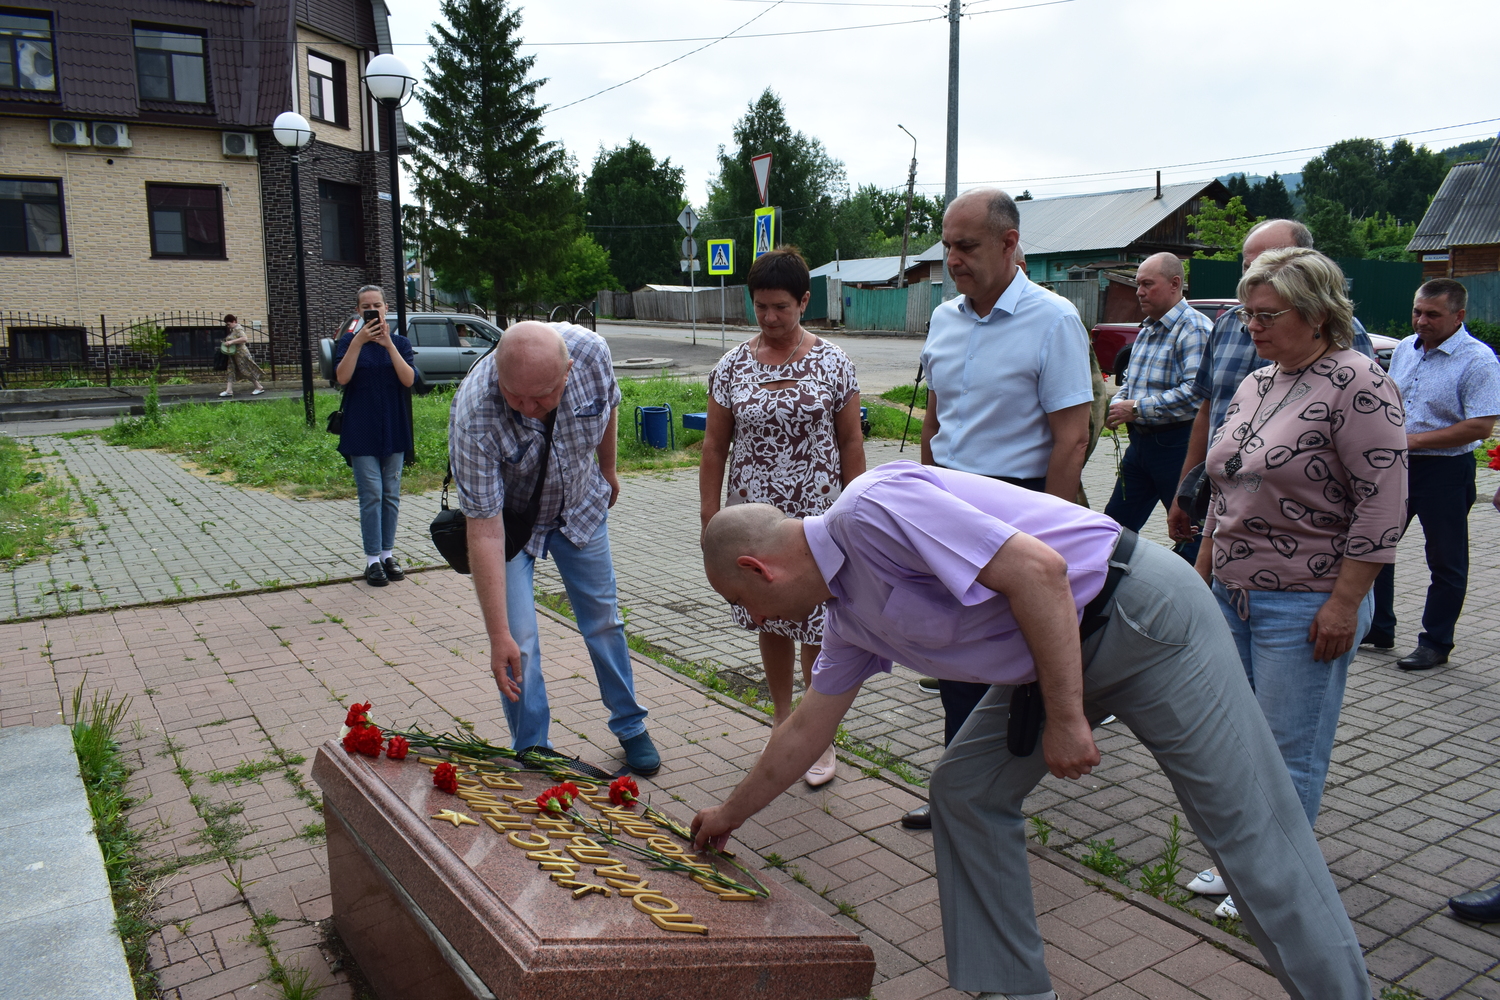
x=139 y=176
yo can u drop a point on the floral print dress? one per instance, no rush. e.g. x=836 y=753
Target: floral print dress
x=784 y=449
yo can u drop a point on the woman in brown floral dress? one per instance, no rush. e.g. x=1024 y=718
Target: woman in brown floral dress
x=788 y=402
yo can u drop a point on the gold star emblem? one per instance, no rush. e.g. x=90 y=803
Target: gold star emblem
x=456 y=818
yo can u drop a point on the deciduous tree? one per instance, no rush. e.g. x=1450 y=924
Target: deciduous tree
x=1224 y=228
x=632 y=203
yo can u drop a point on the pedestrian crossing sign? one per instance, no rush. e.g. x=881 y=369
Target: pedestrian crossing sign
x=765 y=231
x=720 y=256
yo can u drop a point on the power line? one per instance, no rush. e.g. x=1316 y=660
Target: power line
x=669 y=62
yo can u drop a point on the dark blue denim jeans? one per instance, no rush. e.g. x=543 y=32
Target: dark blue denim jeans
x=1149 y=474
x=1440 y=491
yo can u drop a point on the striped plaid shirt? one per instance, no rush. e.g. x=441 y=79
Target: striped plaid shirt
x=495 y=451
x=1163 y=363
x=1230 y=356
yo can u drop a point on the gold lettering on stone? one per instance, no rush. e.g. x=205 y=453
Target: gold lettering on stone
x=651 y=902
x=642 y=888
x=456 y=818
x=678 y=922
x=535 y=842
x=500 y=825
x=431 y=760
x=555 y=825
x=581 y=889
x=590 y=855
x=722 y=891
x=617 y=870
x=501 y=781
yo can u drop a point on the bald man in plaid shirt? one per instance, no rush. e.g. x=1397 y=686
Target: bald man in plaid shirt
x=1159 y=400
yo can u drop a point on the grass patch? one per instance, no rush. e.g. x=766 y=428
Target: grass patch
x=95 y=727
x=902 y=395
x=1102 y=858
x=33 y=506
x=683 y=396
x=251 y=770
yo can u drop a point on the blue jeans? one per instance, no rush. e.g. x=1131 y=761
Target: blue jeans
x=1440 y=491
x=1149 y=475
x=1300 y=697
x=378 y=479
x=588 y=575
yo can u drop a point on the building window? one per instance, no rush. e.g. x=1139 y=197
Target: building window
x=39 y=345
x=31 y=216
x=170 y=66
x=185 y=221
x=342 y=218
x=193 y=342
x=26 y=53
x=327 y=90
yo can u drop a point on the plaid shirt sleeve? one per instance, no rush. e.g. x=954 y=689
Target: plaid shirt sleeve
x=1169 y=370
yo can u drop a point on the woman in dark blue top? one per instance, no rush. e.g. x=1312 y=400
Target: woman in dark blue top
x=375 y=369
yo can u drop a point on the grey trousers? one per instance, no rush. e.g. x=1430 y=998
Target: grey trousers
x=1167 y=666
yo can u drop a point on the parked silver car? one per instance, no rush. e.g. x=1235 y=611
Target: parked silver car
x=446 y=345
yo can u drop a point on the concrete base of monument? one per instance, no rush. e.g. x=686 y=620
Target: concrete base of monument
x=436 y=909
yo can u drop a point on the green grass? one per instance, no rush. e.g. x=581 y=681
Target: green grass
x=33 y=507
x=683 y=396
x=96 y=726
x=901 y=395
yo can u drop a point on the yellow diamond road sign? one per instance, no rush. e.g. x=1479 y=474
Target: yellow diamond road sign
x=720 y=256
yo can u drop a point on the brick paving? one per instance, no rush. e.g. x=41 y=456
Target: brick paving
x=256 y=683
x=1409 y=817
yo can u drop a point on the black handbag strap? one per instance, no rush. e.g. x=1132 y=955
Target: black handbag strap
x=534 y=505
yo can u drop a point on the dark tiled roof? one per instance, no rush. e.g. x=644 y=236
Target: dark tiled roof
x=1466 y=209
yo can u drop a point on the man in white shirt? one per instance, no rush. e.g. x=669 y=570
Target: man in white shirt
x=1009 y=386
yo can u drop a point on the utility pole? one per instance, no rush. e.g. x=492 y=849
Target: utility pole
x=911 y=183
x=950 y=178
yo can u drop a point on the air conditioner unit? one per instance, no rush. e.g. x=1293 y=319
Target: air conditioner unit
x=111 y=135
x=238 y=144
x=68 y=133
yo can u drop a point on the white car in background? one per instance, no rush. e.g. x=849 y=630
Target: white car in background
x=446 y=345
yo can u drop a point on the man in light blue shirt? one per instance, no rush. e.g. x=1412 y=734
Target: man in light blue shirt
x=1008 y=381
x=1450 y=386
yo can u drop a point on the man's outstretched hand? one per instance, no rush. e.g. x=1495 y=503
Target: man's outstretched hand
x=711 y=828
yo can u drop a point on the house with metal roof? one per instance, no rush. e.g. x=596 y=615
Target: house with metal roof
x=1460 y=234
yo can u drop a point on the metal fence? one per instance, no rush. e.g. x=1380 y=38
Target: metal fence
x=1484 y=296
x=47 y=350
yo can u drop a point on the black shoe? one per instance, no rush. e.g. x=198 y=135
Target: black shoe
x=393 y=570
x=1379 y=640
x=375 y=575
x=1482 y=905
x=1422 y=658
x=919 y=818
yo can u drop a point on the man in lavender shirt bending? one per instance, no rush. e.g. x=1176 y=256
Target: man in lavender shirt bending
x=965 y=578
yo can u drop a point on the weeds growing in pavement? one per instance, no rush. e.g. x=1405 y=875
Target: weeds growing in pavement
x=1160 y=879
x=1041 y=829
x=247 y=770
x=1102 y=858
x=1394 y=992
x=132 y=883
x=34 y=507
x=774 y=860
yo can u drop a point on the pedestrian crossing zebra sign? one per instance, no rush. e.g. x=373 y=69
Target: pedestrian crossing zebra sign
x=720 y=256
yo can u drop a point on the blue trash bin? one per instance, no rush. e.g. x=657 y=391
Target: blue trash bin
x=653 y=426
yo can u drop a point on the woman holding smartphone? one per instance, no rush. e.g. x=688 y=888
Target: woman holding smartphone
x=374 y=366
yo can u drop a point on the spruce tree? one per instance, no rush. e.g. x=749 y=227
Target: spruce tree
x=502 y=203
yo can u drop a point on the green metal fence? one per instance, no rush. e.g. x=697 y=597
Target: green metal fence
x=1382 y=290
x=874 y=308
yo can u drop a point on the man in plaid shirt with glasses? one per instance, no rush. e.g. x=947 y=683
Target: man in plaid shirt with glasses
x=1158 y=401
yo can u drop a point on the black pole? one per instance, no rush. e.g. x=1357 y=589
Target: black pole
x=916 y=386
x=304 y=346
x=400 y=261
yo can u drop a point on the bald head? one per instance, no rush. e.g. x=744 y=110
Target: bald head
x=1274 y=234
x=531 y=363
x=1158 y=284
x=998 y=207
x=746 y=529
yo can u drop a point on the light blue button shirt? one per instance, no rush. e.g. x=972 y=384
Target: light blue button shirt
x=998 y=376
x=1445 y=385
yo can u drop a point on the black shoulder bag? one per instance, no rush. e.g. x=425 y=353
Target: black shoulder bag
x=450 y=529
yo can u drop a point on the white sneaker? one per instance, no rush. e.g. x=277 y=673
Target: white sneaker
x=1227 y=909
x=226 y=394
x=1208 y=883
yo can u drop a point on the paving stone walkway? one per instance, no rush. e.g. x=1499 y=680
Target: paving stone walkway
x=1409 y=818
x=232 y=697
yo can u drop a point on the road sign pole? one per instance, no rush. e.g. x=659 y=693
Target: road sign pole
x=693 y=300
x=723 y=313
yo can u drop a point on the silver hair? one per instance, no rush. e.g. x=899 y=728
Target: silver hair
x=1168 y=265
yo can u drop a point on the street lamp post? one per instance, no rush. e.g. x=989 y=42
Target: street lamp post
x=293 y=132
x=391 y=83
x=911 y=183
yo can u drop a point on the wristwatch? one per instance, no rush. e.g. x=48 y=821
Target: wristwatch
x=1135 y=409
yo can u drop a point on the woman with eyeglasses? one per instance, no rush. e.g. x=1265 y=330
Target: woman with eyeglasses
x=1309 y=501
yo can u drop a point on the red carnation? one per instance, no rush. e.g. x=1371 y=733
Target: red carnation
x=397 y=748
x=358 y=715
x=365 y=739
x=553 y=801
x=623 y=791
x=569 y=791
x=445 y=776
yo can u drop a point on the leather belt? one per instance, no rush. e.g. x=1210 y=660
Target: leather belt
x=1096 y=613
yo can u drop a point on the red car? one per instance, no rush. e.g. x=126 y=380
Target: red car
x=1112 y=341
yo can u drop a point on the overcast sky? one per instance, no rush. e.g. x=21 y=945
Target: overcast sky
x=1112 y=89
